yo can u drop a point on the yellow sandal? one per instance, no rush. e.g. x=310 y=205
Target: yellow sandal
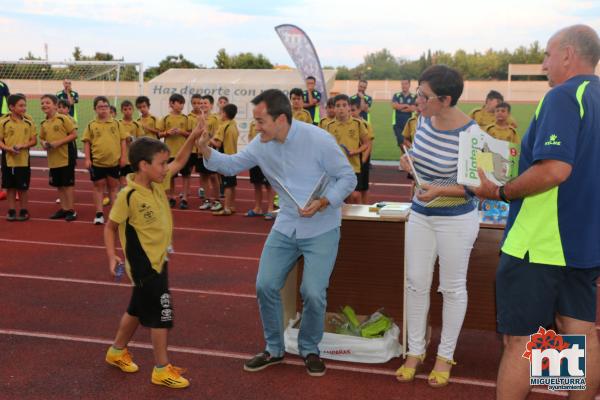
x=406 y=374
x=440 y=378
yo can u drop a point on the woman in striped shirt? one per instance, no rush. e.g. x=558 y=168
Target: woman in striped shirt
x=443 y=223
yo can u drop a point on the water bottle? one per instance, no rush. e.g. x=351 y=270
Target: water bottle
x=119 y=271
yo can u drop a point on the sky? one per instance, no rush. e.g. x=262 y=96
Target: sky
x=343 y=32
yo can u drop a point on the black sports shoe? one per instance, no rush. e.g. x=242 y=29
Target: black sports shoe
x=71 y=216
x=60 y=214
x=261 y=361
x=314 y=365
x=12 y=215
x=183 y=204
x=23 y=215
x=172 y=203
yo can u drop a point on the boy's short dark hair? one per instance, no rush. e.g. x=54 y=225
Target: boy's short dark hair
x=331 y=102
x=341 y=97
x=210 y=99
x=63 y=103
x=223 y=98
x=363 y=81
x=196 y=96
x=230 y=110
x=51 y=97
x=311 y=77
x=494 y=95
x=355 y=102
x=504 y=105
x=99 y=99
x=13 y=99
x=113 y=109
x=141 y=100
x=144 y=149
x=296 y=92
x=176 y=98
x=444 y=81
x=277 y=103
x=126 y=103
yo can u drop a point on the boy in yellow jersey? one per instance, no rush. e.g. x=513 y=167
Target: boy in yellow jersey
x=484 y=115
x=225 y=140
x=62 y=107
x=258 y=180
x=104 y=142
x=209 y=180
x=17 y=136
x=501 y=129
x=352 y=136
x=330 y=114
x=148 y=121
x=298 y=111
x=134 y=130
x=142 y=218
x=175 y=128
x=365 y=157
x=408 y=132
x=57 y=136
x=193 y=117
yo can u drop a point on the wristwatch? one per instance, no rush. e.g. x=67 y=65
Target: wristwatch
x=502 y=195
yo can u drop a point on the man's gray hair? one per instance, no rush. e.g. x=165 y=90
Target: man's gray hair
x=584 y=41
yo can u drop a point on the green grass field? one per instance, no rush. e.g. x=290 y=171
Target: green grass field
x=381 y=116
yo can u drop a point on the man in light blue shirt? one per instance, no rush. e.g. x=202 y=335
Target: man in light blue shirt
x=293 y=154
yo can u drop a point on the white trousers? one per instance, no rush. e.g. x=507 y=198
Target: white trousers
x=451 y=239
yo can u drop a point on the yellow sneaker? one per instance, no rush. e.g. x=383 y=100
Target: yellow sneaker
x=105 y=201
x=169 y=376
x=121 y=359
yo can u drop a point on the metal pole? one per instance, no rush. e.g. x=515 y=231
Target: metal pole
x=117 y=85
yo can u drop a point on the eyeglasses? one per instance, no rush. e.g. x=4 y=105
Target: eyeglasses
x=423 y=95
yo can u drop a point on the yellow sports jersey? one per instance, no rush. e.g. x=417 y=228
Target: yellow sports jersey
x=349 y=135
x=302 y=115
x=325 y=121
x=369 y=128
x=228 y=135
x=57 y=128
x=180 y=121
x=410 y=128
x=15 y=132
x=105 y=141
x=133 y=128
x=484 y=118
x=212 y=124
x=149 y=121
x=507 y=133
x=193 y=121
x=252 y=131
x=150 y=217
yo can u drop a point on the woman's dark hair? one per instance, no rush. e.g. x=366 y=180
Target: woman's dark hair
x=277 y=103
x=144 y=149
x=444 y=81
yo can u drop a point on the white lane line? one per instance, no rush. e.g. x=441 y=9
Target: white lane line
x=89 y=246
x=125 y=285
x=244 y=356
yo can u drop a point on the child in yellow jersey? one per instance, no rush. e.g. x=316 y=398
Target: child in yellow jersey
x=365 y=157
x=142 y=218
x=209 y=180
x=148 y=121
x=298 y=111
x=175 y=128
x=330 y=110
x=485 y=115
x=62 y=107
x=501 y=129
x=258 y=180
x=408 y=132
x=17 y=136
x=134 y=130
x=104 y=142
x=57 y=136
x=225 y=140
x=352 y=136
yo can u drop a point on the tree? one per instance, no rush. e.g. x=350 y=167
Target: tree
x=222 y=60
x=167 y=63
x=241 y=61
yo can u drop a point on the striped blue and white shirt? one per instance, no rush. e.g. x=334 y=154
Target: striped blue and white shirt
x=435 y=157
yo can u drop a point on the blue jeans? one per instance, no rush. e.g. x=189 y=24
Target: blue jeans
x=279 y=256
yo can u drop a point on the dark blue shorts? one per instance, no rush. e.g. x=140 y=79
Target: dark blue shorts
x=529 y=295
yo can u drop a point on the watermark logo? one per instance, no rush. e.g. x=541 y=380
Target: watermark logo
x=556 y=361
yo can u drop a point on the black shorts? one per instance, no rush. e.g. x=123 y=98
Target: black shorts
x=16 y=177
x=62 y=176
x=358 y=182
x=229 y=181
x=362 y=183
x=257 y=177
x=151 y=300
x=99 y=173
x=529 y=295
x=398 y=128
x=126 y=170
x=187 y=168
x=200 y=168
